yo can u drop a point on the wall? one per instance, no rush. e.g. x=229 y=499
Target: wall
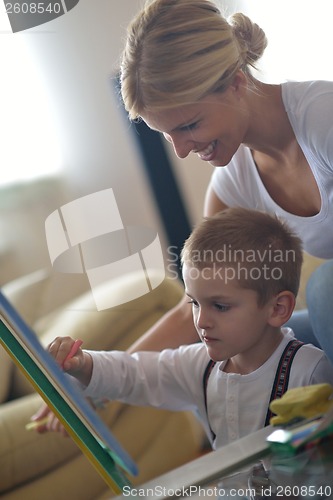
x=76 y=57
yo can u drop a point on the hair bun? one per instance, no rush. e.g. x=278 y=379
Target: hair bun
x=251 y=38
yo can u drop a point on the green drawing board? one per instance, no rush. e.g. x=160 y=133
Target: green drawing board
x=81 y=421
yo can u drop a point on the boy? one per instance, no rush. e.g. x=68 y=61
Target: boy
x=241 y=270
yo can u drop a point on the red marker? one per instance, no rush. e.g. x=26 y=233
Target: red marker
x=75 y=347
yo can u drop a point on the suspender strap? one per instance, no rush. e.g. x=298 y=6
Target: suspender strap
x=281 y=380
x=282 y=374
x=208 y=370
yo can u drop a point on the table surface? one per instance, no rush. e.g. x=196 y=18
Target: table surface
x=247 y=470
x=307 y=475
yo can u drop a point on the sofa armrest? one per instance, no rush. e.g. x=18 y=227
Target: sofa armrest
x=156 y=439
x=115 y=328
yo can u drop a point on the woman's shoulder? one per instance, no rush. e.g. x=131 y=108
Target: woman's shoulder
x=295 y=91
x=307 y=100
x=310 y=107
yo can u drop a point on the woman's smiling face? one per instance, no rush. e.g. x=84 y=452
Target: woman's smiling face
x=213 y=128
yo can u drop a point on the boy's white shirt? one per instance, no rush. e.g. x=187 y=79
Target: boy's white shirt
x=173 y=379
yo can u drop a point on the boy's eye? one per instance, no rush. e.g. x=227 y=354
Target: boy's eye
x=193 y=302
x=222 y=307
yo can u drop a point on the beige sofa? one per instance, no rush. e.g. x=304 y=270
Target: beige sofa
x=49 y=466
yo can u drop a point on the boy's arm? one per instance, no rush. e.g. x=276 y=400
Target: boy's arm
x=167 y=379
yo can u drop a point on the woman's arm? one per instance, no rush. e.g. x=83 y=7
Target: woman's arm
x=176 y=327
x=212 y=204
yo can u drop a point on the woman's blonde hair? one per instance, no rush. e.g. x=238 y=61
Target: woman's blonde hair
x=179 y=51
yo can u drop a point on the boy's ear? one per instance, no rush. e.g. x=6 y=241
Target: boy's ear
x=283 y=305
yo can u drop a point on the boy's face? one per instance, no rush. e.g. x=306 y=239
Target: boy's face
x=227 y=317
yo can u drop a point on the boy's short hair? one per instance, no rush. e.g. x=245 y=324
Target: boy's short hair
x=257 y=249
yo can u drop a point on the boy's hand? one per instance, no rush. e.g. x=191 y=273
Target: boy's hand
x=61 y=348
x=52 y=422
x=72 y=358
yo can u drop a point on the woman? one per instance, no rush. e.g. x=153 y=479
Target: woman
x=186 y=71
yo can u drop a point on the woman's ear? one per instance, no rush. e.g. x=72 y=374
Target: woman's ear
x=239 y=81
x=283 y=305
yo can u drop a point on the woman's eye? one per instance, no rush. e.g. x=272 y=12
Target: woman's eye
x=191 y=126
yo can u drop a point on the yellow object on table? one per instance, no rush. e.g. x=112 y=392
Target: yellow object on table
x=302 y=402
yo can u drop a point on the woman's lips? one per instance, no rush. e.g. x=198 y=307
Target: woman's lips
x=208 y=153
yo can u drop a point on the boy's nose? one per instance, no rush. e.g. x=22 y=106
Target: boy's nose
x=203 y=320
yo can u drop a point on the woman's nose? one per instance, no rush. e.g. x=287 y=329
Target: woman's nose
x=181 y=147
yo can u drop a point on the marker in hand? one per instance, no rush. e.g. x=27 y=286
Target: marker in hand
x=36 y=423
x=75 y=347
